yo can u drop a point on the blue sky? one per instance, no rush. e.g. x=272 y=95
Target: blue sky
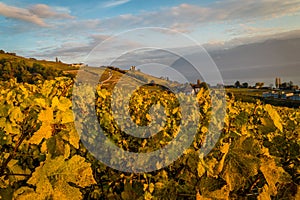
x=31 y=27
x=70 y=29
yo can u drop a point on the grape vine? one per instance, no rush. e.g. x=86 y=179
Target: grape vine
x=43 y=157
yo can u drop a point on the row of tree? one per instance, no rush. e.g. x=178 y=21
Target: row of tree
x=284 y=86
x=239 y=85
x=288 y=86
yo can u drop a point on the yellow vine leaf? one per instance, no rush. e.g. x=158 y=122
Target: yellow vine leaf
x=297 y=196
x=64 y=117
x=65 y=191
x=148 y=117
x=61 y=104
x=8 y=128
x=222 y=193
x=70 y=135
x=210 y=166
x=200 y=169
x=25 y=193
x=44 y=147
x=45 y=131
x=265 y=194
x=4 y=182
x=55 y=102
x=274 y=116
x=159 y=185
x=16 y=115
x=67 y=151
x=6 y=125
x=151 y=187
x=2 y=122
x=204 y=129
x=40 y=102
x=67 y=117
x=46 y=115
x=224 y=149
x=175 y=110
x=14 y=168
x=52 y=179
x=198 y=196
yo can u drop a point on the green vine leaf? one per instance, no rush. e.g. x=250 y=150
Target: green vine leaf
x=273 y=174
x=240 y=163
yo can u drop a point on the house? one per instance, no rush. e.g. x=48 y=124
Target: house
x=196 y=87
x=295 y=97
x=282 y=95
x=132 y=68
x=272 y=94
x=77 y=65
x=287 y=96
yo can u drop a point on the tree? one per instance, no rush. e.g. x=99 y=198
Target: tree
x=287 y=85
x=259 y=85
x=245 y=85
x=237 y=84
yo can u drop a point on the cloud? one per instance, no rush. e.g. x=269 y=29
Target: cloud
x=78 y=27
x=186 y=16
x=181 y=27
x=246 y=30
x=97 y=39
x=251 y=38
x=70 y=51
x=36 y=14
x=20 y=14
x=44 y=11
x=114 y=3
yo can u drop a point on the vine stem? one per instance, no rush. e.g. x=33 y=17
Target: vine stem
x=12 y=155
x=6 y=174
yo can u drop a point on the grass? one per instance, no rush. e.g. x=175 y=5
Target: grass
x=127 y=78
x=247 y=91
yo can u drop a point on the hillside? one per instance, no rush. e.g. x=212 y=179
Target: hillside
x=30 y=70
x=127 y=76
x=20 y=67
x=31 y=61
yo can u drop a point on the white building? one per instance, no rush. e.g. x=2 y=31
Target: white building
x=77 y=65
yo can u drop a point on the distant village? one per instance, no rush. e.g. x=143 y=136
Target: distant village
x=287 y=91
x=284 y=91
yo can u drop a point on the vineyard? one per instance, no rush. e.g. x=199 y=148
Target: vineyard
x=44 y=157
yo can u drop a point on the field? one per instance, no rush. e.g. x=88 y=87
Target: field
x=50 y=146
x=253 y=95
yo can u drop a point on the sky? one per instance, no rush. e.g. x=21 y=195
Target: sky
x=72 y=29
